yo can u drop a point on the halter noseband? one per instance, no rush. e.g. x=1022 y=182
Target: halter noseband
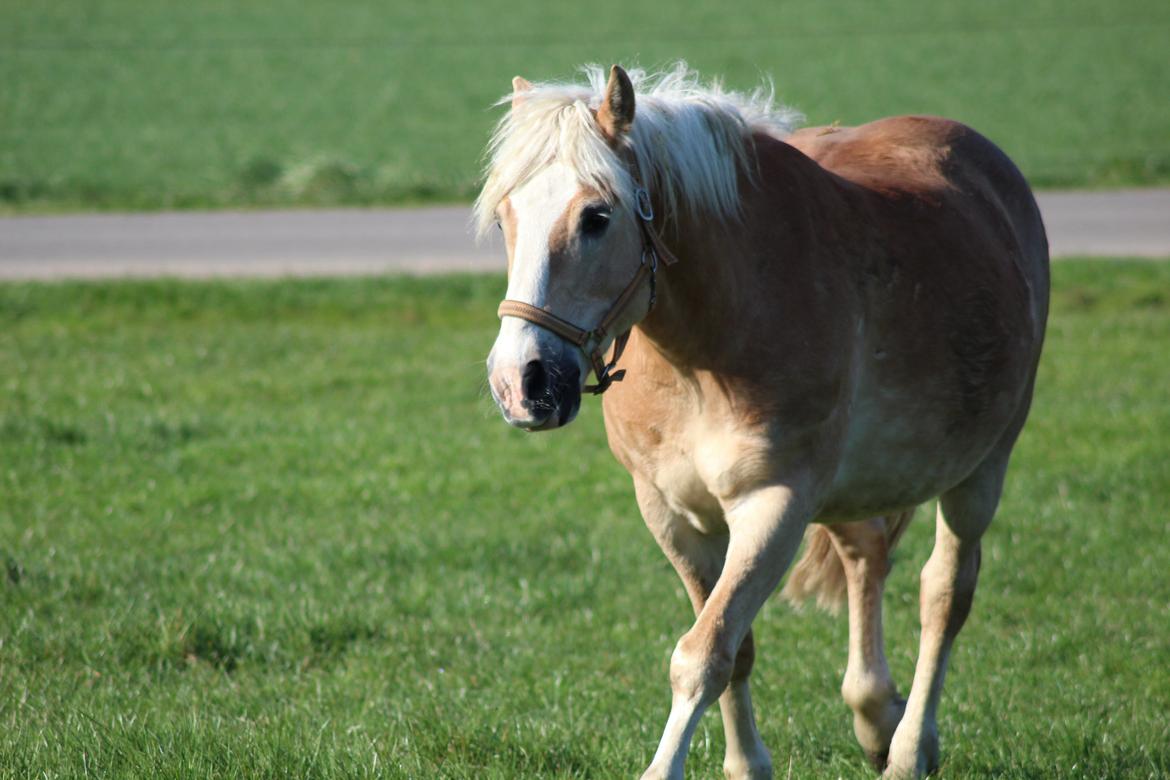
x=590 y=342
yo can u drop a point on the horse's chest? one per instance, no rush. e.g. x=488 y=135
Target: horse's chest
x=682 y=484
x=695 y=464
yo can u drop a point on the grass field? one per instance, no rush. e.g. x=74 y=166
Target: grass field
x=204 y=103
x=274 y=529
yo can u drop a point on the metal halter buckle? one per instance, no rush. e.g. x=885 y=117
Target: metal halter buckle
x=643 y=205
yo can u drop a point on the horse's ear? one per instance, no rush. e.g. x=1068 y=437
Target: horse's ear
x=617 y=109
x=520 y=85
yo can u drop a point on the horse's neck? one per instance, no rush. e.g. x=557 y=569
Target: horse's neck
x=700 y=289
x=754 y=274
x=717 y=275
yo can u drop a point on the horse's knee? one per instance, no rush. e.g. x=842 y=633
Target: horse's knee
x=700 y=669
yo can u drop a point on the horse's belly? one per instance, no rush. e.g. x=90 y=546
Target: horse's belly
x=894 y=459
x=899 y=481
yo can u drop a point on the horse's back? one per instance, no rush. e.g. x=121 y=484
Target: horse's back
x=945 y=203
x=920 y=162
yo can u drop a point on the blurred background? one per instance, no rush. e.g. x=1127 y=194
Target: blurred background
x=272 y=528
x=126 y=104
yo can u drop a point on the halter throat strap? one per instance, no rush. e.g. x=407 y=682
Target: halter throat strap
x=592 y=342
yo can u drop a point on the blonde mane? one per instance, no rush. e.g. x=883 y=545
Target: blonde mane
x=691 y=141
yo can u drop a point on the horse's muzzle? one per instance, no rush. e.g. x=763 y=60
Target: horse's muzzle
x=540 y=396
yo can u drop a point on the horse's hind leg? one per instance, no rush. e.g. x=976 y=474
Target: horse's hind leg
x=947 y=590
x=868 y=688
x=698 y=559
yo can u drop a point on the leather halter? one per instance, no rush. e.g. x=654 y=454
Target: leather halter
x=591 y=342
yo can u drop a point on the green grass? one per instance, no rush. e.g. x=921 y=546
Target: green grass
x=204 y=103
x=274 y=529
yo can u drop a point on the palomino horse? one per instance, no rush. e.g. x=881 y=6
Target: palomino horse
x=826 y=327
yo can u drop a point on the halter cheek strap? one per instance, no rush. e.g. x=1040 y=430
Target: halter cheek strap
x=592 y=342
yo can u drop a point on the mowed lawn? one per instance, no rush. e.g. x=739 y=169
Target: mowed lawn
x=275 y=529
x=201 y=103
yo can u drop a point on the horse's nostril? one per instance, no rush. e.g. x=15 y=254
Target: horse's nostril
x=534 y=381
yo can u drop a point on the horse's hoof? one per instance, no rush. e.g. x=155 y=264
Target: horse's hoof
x=875 y=734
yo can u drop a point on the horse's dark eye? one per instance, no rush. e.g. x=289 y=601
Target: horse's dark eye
x=594 y=220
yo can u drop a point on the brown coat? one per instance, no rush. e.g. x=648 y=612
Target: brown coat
x=882 y=320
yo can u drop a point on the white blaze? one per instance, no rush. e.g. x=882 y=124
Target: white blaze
x=537 y=207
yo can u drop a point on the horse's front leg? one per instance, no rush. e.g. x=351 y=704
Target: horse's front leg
x=765 y=528
x=698 y=558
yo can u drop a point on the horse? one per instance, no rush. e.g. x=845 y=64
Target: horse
x=817 y=331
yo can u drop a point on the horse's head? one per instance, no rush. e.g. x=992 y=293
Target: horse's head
x=575 y=250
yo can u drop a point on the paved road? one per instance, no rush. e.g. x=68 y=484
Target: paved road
x=430 y=240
